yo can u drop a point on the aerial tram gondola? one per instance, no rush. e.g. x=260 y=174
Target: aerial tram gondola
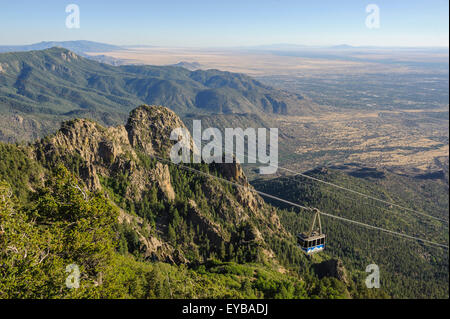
x=313 y=241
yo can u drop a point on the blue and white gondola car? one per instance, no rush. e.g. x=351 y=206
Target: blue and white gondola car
x=311 y=244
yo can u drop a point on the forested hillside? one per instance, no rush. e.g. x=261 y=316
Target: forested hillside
x=139 y=228
x=409 y=269
x=39 y=89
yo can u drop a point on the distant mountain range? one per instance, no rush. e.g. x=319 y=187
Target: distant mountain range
x=38 y=89
x=78 y=47
x=83 y=46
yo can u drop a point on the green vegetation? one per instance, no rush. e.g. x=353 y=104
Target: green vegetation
x=59 y=223
x=64 y=225
x=140 y=228
x=409 y=269
x=18 y=170
x=39 y=89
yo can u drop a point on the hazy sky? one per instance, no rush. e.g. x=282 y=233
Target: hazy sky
x=227 y=22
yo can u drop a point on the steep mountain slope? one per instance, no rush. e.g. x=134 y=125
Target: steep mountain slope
x=102 y=156
x=409 y=269
x=132 y=222
x=40 y=88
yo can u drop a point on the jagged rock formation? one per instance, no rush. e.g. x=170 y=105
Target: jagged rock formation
x=98 y=153
x=149 y=129
x=332 y=268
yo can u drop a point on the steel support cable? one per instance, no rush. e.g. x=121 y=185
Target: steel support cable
x=425 y=241
x=352 y=191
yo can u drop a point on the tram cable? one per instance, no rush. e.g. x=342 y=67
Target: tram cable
x=311 y=209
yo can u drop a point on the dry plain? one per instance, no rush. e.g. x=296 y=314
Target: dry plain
x=413 y=139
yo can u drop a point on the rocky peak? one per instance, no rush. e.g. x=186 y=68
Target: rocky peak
x=149 y=129
x=98 y=150
x=103 y=156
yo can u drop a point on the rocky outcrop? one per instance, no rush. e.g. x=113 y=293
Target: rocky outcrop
x=212 y=229
x=162 y=175
x=332 y=268
x=149 y=129
x=98 y=150
x=151 y=246
x=107 y=152
x=99 y=154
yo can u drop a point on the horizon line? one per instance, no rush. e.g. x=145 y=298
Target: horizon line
x=262 y=45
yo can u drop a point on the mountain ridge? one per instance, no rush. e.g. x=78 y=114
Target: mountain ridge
x=159 y=215
x=104 y=153
x=79 y=46
x=129 y=219
x=39 y=89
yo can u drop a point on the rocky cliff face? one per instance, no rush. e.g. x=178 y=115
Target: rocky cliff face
x=109 y=151
x=97 y=154
x=332 y=268
x=149 y=129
